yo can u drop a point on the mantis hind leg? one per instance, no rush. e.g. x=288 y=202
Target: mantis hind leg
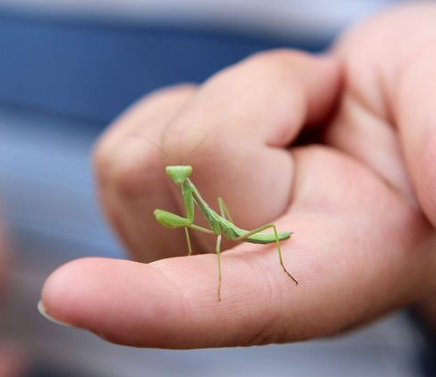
x=218 y=254
x=188 y=240
x=224 y=211
x=261 y=229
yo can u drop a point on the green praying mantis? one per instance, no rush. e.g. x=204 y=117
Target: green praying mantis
x=220 y=225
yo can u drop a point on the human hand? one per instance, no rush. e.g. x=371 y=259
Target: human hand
x=387 y=114
x=359 y=248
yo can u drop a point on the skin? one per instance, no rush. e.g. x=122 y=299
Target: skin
x=362 y=206
x=389 y=102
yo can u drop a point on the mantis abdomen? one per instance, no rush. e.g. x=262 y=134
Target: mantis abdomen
x=268 y=238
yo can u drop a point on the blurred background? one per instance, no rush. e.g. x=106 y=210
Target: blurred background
x=67 y=68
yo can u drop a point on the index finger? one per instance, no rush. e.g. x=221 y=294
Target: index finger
x=353 y=261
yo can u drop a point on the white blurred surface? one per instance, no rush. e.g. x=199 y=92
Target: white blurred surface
x=309 y=18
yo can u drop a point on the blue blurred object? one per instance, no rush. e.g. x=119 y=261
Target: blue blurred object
x=92 y=71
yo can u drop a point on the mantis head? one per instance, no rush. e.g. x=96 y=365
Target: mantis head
x=179 y=173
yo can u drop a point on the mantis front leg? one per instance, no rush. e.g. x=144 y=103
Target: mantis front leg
x=189 y=207
x=171 y=220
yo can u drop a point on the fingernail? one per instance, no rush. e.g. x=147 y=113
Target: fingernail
x=43 y=312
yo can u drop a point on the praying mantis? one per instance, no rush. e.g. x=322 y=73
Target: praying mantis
x=220 y=225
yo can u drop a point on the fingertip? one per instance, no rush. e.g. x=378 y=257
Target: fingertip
x=43 y=311
x=65 y=293
x=111 y=298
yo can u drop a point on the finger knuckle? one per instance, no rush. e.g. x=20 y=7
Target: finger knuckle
x=127 y=171
x=122 y=159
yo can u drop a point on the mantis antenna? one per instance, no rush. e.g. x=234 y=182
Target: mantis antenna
x=169 y=160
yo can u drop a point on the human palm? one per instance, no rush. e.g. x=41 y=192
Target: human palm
x=361 y=244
